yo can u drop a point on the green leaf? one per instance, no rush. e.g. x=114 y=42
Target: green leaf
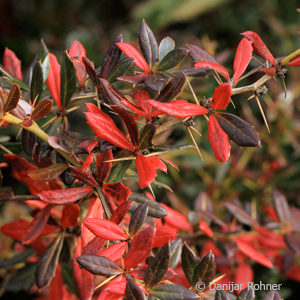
x=68 y=80
x=36 y=87
x=172 y=59
x=173 y=292
x=166 y=45
x=158 y=266
x=11 y=80
x=48 y=262
x=118 y=171
x=120 y=69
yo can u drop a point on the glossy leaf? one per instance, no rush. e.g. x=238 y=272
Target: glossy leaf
x=214 y=66
x=130 y=124
x=105 y=128
x=53 y=79
x=146 y=168
x=12 y=98
x=221 y=295
x=172 y=59
x=259 y=46
x=179 y=108
x=111 y=58
x=188 y=262
x=154 y=208
x=120 y=69
x=134 y=292
x=148 y=44
x=42 y=109
x=116 y=191
x=134 y=79
x=158 y=266
x=68 y=80
x=205 y=270
x=156 y=81
x=120 y=212
x=272 y=295
x=12 y=64
x=221 y=96
x=199 y=54
x=253 y=253
x=115 y=251
x=242 y=58
x=140 y=248
x=166 y=45
x=238 y=130
x=48 y=262
x=131 y=52
x=98 y=265
x=70 y=215
x=37 y=225
x=246 y=294
x=172 y=88
x=90 y=69
x=147 y=135
x=118 y=171
x=175 y=253
x=37 y=82
x=173 y=292
x=137 y=219
x=281 y=206
x=61 y=197
x=218 y=139
x=105 y=229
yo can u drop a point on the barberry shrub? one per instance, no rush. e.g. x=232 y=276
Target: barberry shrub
x=96 y=229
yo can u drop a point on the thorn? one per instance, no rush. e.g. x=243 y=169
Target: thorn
x=251 y=97
x=19 y=133
x=284 y=86
x=192 y=90
x=262 y=113
x=194 y=142
x=232 y=102
x=217 y=77
x=50 y=121
x=151 y=190
x=195 y=130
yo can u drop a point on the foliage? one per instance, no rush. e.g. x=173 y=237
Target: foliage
x=96 y=222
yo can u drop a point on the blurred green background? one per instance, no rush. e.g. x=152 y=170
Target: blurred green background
x=251 y=174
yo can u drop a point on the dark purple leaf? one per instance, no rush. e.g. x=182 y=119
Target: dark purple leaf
x=111 y=58
x=134 y=79
x=293 y=242
x=120 y=69
x=246 y=294
x=147 y=136
x=172 y=59
x=198 y=54
x=205 y=271
x=281 y=206
x=99 y=265
x=158 y=266
x=148 y=44
x=90 y=69
x=173 y=88
x=84 y=176
x=188 y=262
x=173 y=292
x=240 y=214
x=175 y=253
x=238 y=130
x=272 y=295
x=137 y=219
x=221 y=295
x=37 y=82
x=48 y=262
x=133 y=291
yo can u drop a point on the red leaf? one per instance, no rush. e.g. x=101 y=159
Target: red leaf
x=70 y=215
x=12 y=64
x=105 y=229
x=205 y=228
x=103 y=168
x=114 y=290
x=84 y=280
x=141 y=97
x=221 y=97
x=84 y=176
x=37 y=225
x=133 y=108
x=214 y=66
x=242 y=58
x=80 y=71
x=131 y=52
x=129 y=123
x=114 y=252
x=105 y=128
x=53 y=79
x=77 y=50
x=88 y=160
x=270 y=71
x=120 y=212
x=176 y=220
x=259 y=46
x=243 y=275
x=163 y=235
x=117 y=191
x=295 y=62
x=61 y=197
x=140 y=248
x=248 y=250
x=179 y=108
x=218 y=139
x=146 y=168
